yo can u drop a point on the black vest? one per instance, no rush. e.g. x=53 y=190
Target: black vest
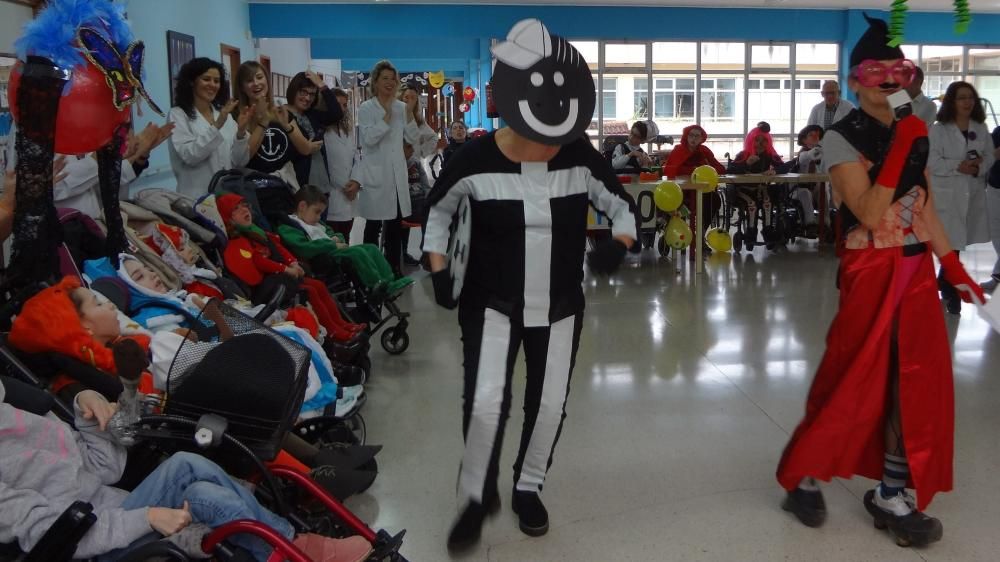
x=872 y=139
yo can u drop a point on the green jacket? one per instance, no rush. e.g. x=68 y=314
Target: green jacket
x=299 y=243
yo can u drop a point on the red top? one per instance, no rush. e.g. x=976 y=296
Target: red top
x=685 y=160
x=250 y=260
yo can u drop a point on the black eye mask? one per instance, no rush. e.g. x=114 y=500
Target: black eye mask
x=542 y=86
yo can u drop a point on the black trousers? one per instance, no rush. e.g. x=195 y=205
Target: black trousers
x=393 y=247
x=490 y=342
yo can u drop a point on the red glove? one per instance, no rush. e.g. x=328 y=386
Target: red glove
x=908 y=130
x=955 y=275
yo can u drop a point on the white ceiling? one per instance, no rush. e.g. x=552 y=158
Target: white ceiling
x=915 y=5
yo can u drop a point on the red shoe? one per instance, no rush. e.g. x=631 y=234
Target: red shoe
x=325 y=549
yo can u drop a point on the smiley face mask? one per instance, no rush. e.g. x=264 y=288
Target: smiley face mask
x=542 y=86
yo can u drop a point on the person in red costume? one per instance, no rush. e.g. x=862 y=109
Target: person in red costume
x=882 y=403
x=687 y=156
x=258 y=259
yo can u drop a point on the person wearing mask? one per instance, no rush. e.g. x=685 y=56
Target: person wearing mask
x=961 y=155
x=385 y=122
x=882 y=403
x=206 y=137
x=923 y=107
x=313 y=105
x=275 y=137
x=832 y=108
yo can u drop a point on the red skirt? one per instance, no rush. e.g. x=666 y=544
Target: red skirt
x=843 y=430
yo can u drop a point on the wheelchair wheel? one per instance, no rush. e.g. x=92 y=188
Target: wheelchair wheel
x=395 y=340
x=662 y=248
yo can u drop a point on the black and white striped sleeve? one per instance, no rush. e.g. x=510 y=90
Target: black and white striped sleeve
x=443 y=200
x=609 y=197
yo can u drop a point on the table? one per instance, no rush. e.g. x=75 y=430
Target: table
x=736 y=179
x=643 y=195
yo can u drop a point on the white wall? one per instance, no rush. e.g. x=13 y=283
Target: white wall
x=288 y=56
x=12 y=18
x=329 y=68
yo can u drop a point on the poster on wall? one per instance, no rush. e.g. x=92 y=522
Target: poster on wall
x=180 y=49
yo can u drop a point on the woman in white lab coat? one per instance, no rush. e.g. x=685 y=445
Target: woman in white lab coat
x=336 y=176
x=385 y=190
x=961 y=155
x=206 y=138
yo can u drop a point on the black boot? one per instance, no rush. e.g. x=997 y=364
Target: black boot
x=469 y=526
x=533 y=519
x=807 y=505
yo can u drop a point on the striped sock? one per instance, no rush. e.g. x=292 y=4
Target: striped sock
x=894 y=475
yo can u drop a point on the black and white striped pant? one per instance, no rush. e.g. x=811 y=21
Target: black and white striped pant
x=490 y=342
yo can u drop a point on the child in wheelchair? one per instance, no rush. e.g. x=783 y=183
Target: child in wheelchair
x=762 y=203
x=45 y=465
x=311 y=240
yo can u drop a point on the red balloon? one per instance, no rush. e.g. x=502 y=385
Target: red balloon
x=464 y=108
x=469 y=94
x=87 y=116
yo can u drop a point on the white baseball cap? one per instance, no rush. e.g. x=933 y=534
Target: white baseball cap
x=527 y=43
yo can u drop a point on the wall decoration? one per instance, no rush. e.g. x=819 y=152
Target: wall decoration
x=180 y=49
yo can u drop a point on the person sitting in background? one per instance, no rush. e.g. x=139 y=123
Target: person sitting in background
x=809 y=158
x=630 y=154
x=684 y=158
x=758 y=155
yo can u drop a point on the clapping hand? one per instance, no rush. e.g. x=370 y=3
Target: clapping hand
x=220 y=121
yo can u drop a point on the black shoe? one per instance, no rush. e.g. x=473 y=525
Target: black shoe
x=533 y=519
x=467 y=529
x=807 y=506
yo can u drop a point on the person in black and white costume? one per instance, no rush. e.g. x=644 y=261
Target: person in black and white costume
x=528 y=187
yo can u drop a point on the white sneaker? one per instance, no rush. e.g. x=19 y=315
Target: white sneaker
x=898 y=505
x=345 y=405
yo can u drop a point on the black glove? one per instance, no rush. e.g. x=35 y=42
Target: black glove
x=606 y=256
x=443 y=286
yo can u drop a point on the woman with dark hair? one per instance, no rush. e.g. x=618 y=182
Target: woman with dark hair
x=334 y=173
x=314 y=107
x=206 y=138
x=275 y=138
x=961 y=156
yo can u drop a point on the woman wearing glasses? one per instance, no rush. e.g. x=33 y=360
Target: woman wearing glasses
x=961 y=156
x=882 y=402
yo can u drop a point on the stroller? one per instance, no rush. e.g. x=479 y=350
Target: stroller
x=238 y=425
x=271 y=201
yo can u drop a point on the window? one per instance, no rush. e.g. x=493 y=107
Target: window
x=609 y=97
x=640 y=98
x=718 y=99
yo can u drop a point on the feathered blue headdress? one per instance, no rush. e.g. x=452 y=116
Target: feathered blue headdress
x=53 y=34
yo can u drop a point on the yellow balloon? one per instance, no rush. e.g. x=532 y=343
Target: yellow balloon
x=719 y=240
x=678 y=234
x=706 y=174
x=436 y=78
x=668 y=196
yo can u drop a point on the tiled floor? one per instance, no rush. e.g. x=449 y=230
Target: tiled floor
x=684 y=395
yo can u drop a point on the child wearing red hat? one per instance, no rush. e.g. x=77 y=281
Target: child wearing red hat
x=260 y=260
x=175 y=247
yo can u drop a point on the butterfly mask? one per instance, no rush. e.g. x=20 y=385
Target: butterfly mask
x=122 y=72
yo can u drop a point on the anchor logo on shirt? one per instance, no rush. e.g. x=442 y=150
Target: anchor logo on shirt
x=274 y=145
